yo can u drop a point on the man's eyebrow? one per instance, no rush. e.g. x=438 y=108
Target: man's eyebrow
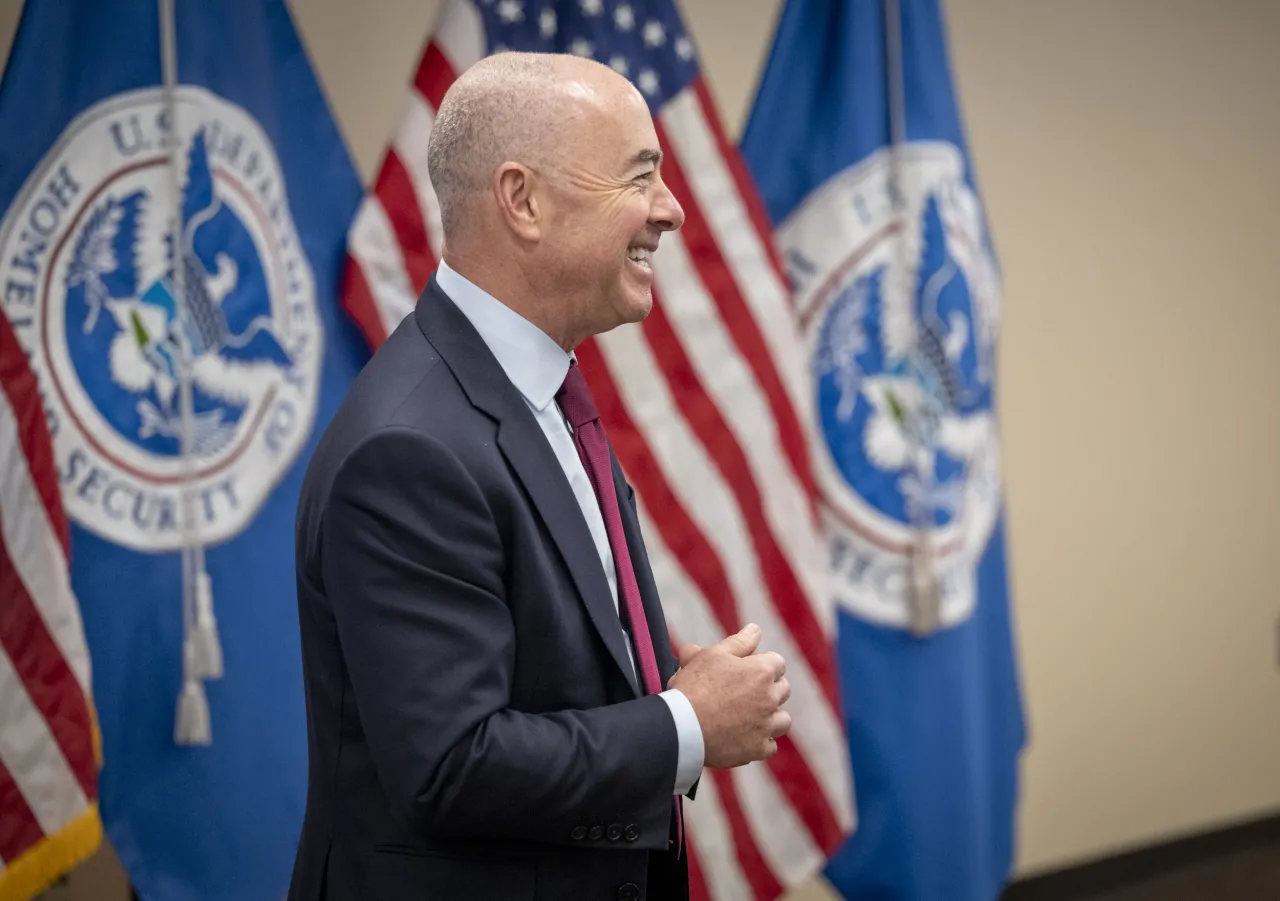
x=647 y=156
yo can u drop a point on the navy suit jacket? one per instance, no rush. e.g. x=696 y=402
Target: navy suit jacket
x=475 y=728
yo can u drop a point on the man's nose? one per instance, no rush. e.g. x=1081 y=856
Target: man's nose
x=667 y=214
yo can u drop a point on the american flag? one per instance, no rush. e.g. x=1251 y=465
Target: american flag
x=705 y=403
x=49 y=747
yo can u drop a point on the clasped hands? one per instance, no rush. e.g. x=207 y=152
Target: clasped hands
x=738 y=697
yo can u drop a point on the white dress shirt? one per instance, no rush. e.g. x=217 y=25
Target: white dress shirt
x=537 y=366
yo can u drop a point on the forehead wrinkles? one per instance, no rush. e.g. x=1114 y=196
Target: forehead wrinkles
x=596 y=145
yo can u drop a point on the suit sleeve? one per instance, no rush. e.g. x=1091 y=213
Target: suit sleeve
x=414 y=568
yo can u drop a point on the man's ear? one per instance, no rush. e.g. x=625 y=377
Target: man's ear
x=518 y=203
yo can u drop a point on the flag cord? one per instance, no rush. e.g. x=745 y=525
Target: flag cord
x=201 y=653
x=923 y=591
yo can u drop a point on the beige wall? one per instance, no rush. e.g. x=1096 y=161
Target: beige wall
x=1127 y=150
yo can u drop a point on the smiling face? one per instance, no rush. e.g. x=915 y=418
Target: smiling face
x=548 y=174
x=608 y=208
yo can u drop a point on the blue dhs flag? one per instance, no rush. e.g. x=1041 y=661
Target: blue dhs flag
x=856 y=144
x=169 y=250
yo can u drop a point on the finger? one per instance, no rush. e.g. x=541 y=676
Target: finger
x=744 y=643
x=688 y=652
x=776 y=665
x=770 y=748
x=781 y=692
x=779 y=723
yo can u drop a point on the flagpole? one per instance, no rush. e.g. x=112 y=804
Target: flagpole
x=192 y=725
x=923 y=595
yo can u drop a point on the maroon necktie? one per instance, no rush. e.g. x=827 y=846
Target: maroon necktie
x=575 y=402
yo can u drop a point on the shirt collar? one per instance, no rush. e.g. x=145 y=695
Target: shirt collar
x=533 y=362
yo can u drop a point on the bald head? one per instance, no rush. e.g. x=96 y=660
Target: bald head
x=512 y=107
x=548 y=174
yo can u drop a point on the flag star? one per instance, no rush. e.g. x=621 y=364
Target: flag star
x=654 y=33
x=511 y=11
x=547 y=22
x=591 y=7
x=618 y=63
x=582 y=47
x=648 y=81
x=684 y=48
x=624 y=18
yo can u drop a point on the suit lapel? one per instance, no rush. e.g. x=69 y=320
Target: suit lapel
x=526 y=449
x=530 y=457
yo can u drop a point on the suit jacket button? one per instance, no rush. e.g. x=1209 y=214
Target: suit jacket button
x=632 y=833
x=596 y=833
x=578 y=833
x=614 y=833
x=628 y=891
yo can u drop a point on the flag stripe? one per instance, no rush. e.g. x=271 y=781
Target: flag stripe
x=411 y=142
x=375 y=250
x=395 y=190
x=51 y=668
x=764 y=884
x=730 y=382
x=42 y=677
x=19 y=385
x=660 y=485
x=746 y=191
x=707 y=424
x=48 y=751
x=712 y=844
x=360 y=305
x=675 y=525
x=460 y=36
x=698 y=888
x=735 y=394
x=31 y=512
x=751 y=296
x=30 y=750
x=434 y=75
x=18 y=827
x=784 y=843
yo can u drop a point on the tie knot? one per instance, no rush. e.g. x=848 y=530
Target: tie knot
x=574 y=398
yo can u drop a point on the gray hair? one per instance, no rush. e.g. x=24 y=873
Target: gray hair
x=504 y=108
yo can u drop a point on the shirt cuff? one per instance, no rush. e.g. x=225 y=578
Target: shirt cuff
x=689 y=733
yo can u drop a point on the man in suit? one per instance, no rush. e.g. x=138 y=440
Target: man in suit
x=494 y=709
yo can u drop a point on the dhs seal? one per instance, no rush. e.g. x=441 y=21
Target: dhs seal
x=899 y=302
x=87 y=265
